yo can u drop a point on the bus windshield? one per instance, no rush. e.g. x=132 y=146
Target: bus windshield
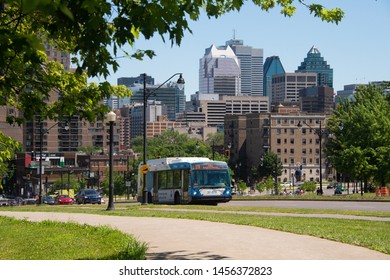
x=210 y=178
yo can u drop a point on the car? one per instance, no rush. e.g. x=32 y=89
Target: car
x=29 y=201
x=330 y=186
x=14 y=200
x=63 y=199
x=338 y=191
x=48 y=200
x=88 y=196
x=4 y=201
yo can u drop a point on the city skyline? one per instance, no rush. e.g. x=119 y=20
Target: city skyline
x=356 y=48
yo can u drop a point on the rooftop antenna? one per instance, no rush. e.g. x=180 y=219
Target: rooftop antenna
x=234 y=34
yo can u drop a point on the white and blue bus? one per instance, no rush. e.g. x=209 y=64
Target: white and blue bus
x=183 y=180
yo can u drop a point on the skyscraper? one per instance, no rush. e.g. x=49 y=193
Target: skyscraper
x=315 y=63
x=170 y=95
x=219 y=72
x=272 y=66
x=285 y=87
x=251 y=64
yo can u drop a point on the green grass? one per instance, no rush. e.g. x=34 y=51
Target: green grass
x=370 y=234
x=49 y=240
x=314 y=196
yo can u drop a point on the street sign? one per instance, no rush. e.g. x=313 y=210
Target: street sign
x=144 y=168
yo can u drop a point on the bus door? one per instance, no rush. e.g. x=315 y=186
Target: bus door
x=184 y=183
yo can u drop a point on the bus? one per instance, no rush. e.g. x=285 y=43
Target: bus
x=185 y=180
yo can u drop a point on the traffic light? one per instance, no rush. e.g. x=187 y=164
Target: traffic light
x=227 y=153
x=28 y=176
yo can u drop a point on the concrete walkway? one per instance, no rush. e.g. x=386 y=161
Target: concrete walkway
x=170 y=239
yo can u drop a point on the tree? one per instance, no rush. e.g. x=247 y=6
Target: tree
x=270 y=165
x=267 y=185
x=360 y=142
x=119 y=184
x=8 y=149
x=309 y=186
x=90 y=150
x=93 y=32
x=171 y=144
x=241 y=186
x=215 y=143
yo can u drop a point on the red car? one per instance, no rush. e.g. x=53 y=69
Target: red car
x=63 y=199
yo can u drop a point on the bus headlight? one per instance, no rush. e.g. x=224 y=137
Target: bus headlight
x=195 y=192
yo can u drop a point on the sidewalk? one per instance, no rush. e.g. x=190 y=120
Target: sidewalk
x=171 y=239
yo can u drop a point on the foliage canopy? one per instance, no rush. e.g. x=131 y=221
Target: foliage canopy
x=360 y=128
x=93 y=32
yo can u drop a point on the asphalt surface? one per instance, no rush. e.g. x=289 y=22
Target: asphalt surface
x=177 y=239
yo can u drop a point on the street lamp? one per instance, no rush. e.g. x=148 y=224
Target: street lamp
x=147 y=93
x=320 y=132
x=111 y=117
x=41 y=133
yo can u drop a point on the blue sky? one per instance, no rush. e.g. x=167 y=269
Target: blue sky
x=358 y=48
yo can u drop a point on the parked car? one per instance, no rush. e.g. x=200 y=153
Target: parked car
x=4 y=201
x=338 y=191
x=29 y=200
x=63 y=199
x=48 y=200
x=88 y=196
x=14 y=200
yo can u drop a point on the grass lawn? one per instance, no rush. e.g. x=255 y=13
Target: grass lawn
x=49 y=240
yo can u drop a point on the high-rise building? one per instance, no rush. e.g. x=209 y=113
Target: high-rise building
x=317 y=99
x=133 y=83
x=272 y=66
x=251 y=65
x=130 y=81
x=285 y=87
x=219 y=72
x=252 y=135
x=170 y=95
x=315 y=63
x=55 y=55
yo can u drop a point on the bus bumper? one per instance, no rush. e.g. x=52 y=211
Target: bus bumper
x=209 y=199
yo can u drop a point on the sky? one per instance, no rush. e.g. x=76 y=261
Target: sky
x=358 y=48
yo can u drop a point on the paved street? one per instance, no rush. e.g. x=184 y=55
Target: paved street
x=170 y=239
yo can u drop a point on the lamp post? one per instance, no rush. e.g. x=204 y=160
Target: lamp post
x=111 y=117
x=320 y=132
x=41 y=133
x=147 y=93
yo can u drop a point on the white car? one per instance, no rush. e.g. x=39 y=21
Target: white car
x=4 y=201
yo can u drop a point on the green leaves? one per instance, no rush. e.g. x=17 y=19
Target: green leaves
x=360 y=143
x=328 y=15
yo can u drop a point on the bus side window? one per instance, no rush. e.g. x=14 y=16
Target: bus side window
x=176 y=179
